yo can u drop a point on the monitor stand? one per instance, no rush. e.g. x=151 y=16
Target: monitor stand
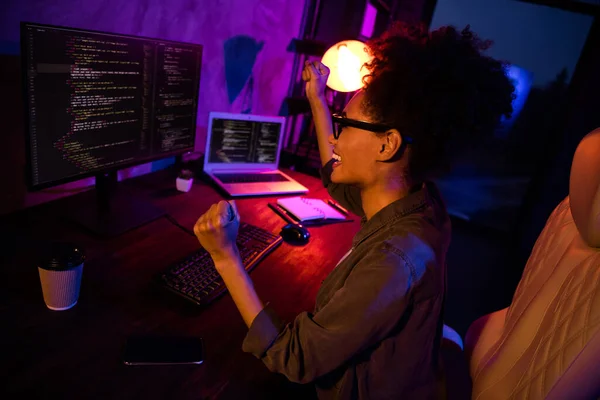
x=109 y=210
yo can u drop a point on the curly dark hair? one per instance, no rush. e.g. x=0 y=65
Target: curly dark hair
x=438 y=88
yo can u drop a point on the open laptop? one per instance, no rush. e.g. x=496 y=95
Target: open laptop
x=242 y=155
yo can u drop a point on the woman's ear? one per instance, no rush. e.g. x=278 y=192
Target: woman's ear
x=390 y=145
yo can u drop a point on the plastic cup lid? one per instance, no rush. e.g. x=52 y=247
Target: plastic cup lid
x=62 y=256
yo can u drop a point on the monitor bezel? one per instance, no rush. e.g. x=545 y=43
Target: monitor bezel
x=100 y=171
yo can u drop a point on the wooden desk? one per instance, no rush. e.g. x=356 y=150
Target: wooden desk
x=77 y=353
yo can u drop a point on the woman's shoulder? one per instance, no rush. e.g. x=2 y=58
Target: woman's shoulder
x=418 y=241
x=415 y=245
x=421 y=256
x=425 y=227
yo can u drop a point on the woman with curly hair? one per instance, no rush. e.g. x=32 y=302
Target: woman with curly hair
x=376 y=329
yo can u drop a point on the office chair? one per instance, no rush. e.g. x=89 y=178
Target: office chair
x=457 y=382
x=546 y=344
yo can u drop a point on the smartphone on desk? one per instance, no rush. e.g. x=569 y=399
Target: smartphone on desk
x=163 y=350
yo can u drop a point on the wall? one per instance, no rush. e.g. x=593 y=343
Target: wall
x=245 y=30
x=551 y=185
x=543 y=46
x=540 y=39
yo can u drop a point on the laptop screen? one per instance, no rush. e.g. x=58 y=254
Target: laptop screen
x=243 y=141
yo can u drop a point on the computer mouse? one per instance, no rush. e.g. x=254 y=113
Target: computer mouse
x=295 y=234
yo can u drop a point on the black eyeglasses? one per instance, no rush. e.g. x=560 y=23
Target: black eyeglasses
x=340 y=121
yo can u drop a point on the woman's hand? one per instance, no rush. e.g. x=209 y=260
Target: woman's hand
x=315 y=75
x=217 y=230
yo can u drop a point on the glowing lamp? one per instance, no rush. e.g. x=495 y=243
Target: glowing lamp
x=345 y=60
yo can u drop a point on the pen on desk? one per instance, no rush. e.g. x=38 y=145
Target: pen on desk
x=281 y=213
x=337 y=207
x=322 y=222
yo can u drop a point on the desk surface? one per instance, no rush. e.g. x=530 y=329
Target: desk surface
x=77 y=353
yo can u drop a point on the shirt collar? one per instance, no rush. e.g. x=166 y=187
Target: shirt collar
x=393 y=211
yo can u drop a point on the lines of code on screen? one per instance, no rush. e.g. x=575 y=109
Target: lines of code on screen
x=236 y=141
x=97 y=101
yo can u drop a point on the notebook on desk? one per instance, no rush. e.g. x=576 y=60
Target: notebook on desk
x=242 y=155
x=305 y=209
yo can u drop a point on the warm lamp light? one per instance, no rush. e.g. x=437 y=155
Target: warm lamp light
x=345 y=61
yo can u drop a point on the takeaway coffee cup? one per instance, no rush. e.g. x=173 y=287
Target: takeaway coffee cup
x=60 y=275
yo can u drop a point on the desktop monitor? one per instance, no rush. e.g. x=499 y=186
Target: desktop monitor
x=98 y=102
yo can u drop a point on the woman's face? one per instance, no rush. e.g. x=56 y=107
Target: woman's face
x=356 y=149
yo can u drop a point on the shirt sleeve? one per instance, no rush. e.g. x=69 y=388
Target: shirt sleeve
x=348 y=196
x=359 y=315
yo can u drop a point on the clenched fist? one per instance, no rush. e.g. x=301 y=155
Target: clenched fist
x=315 y=75
x=217 y=230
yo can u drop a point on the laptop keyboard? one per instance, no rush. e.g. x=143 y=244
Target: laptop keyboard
x=251 y=178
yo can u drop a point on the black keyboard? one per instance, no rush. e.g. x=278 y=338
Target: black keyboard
x=195 y=277
x=251 y=178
